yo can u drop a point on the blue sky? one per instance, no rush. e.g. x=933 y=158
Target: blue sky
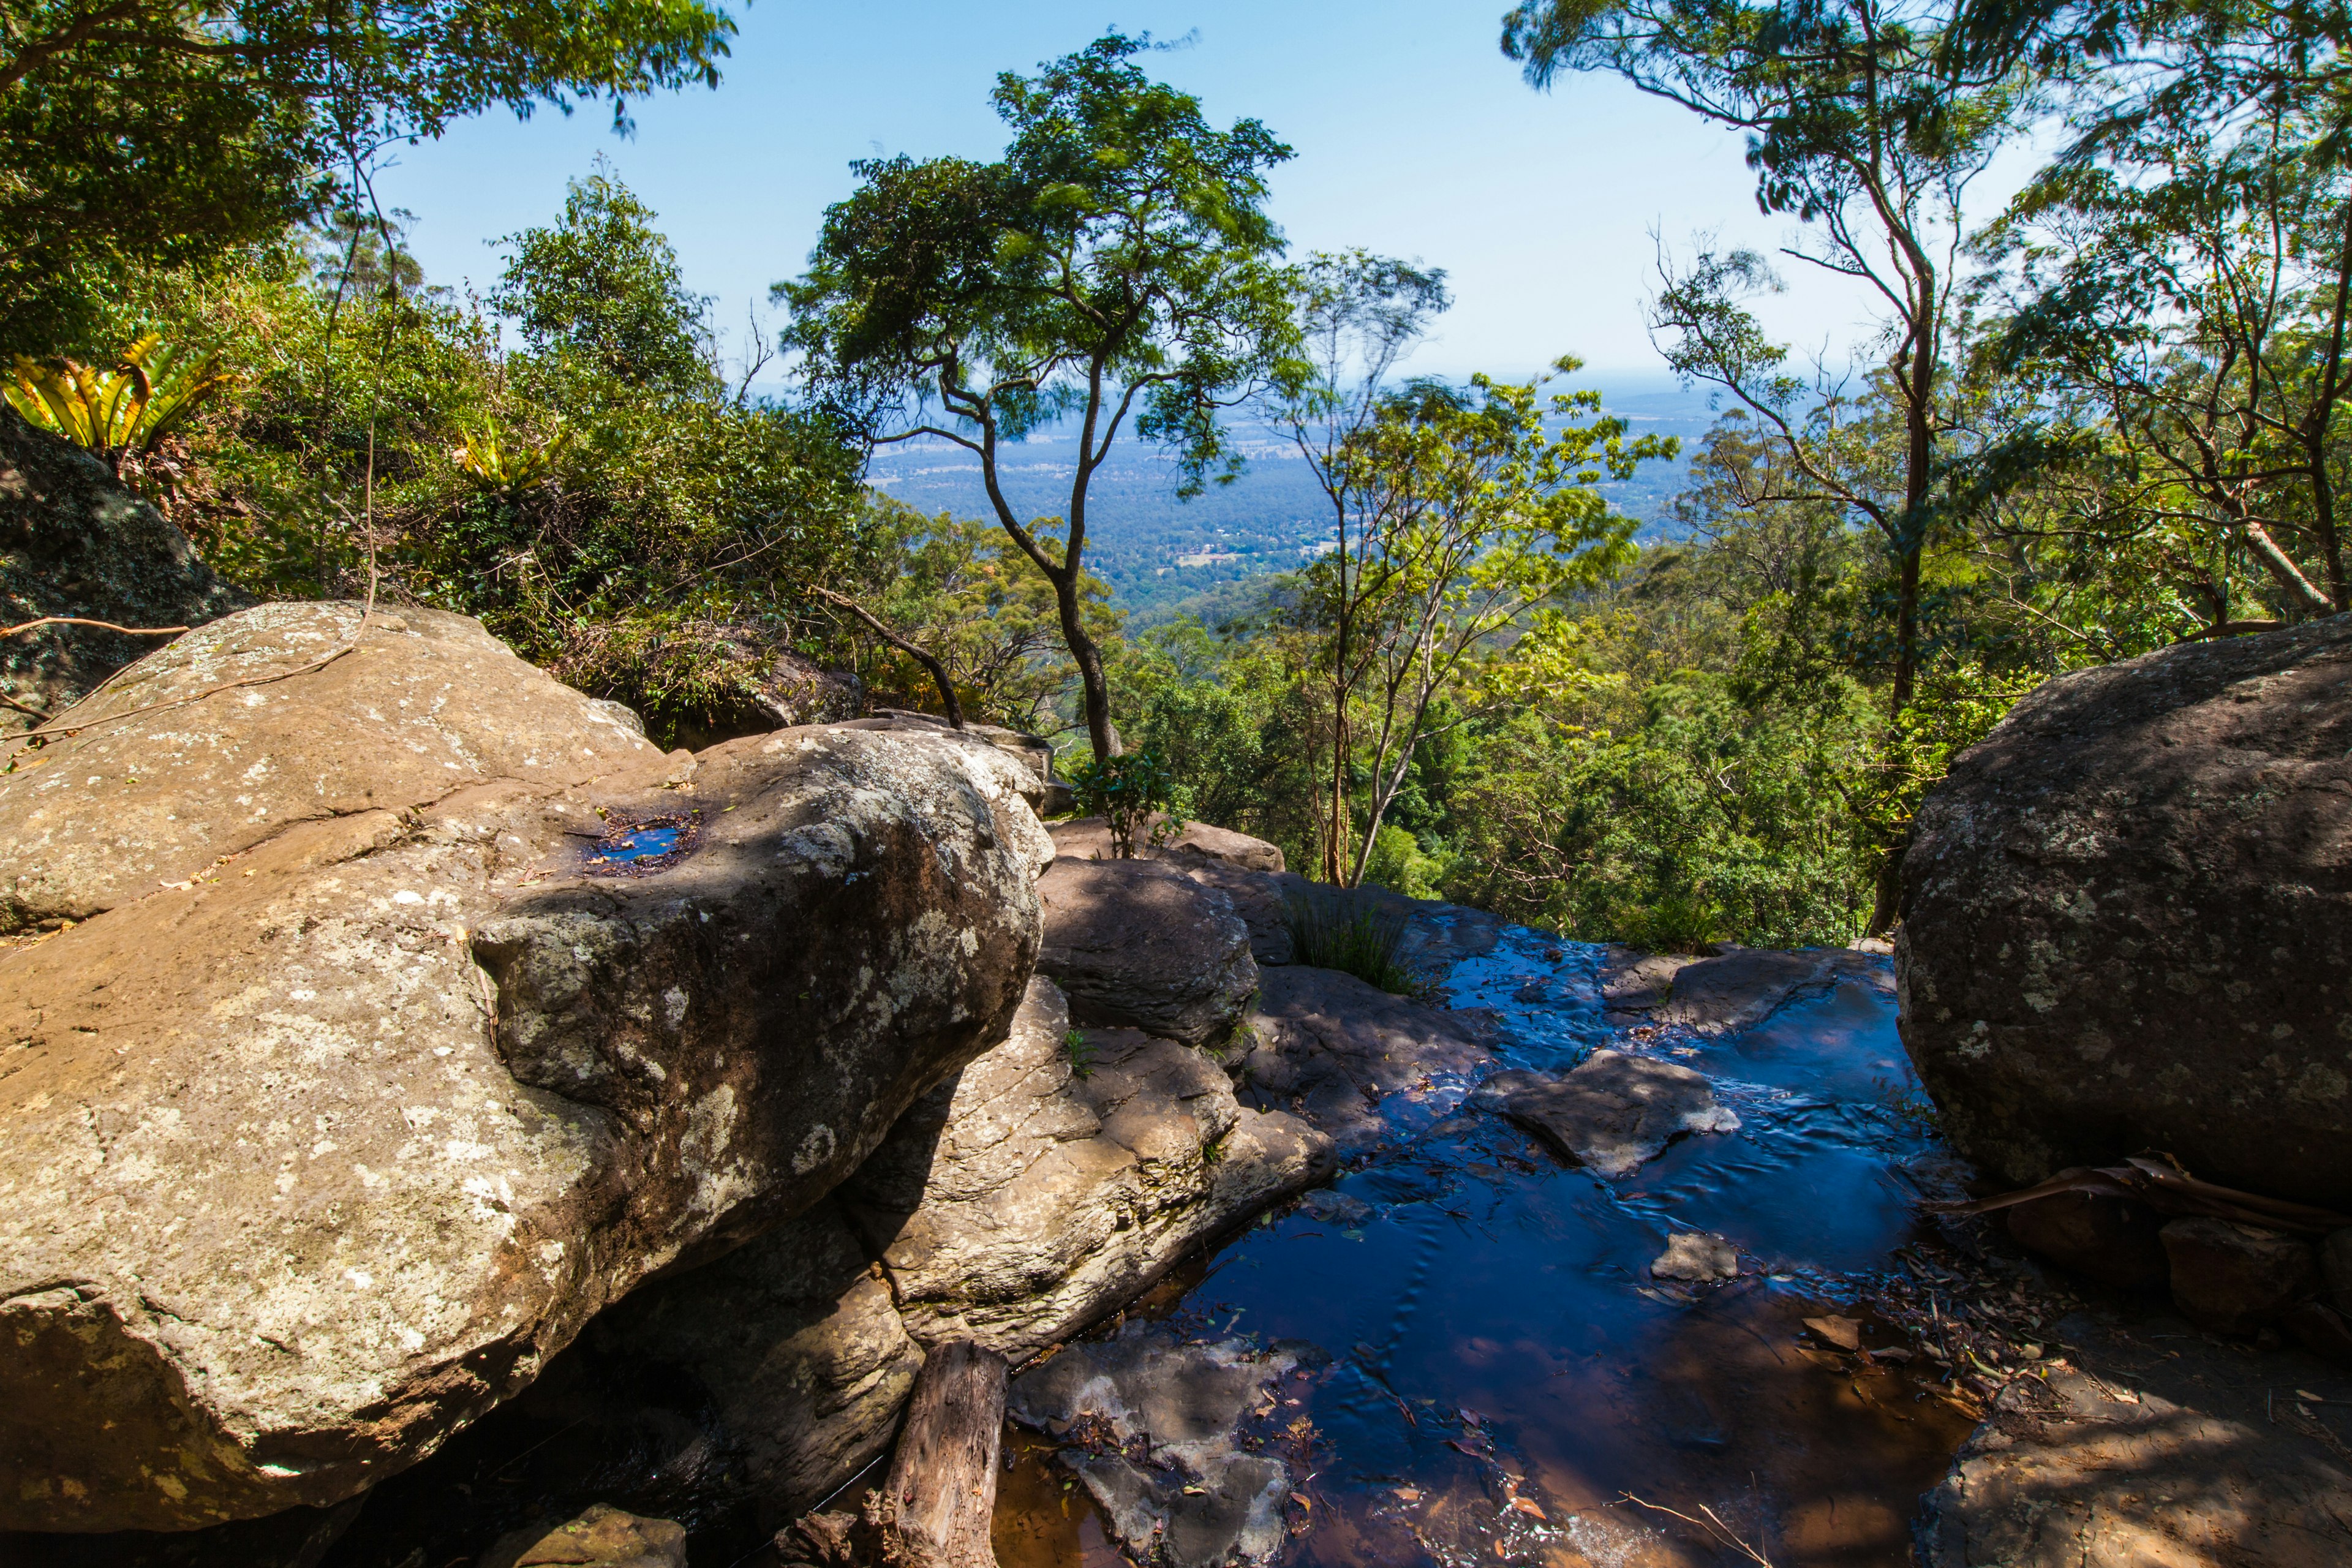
x=1413 y=136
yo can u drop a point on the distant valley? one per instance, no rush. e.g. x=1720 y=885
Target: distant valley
x=1156 y=551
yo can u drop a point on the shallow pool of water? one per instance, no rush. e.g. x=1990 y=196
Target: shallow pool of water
x=1508 y=1380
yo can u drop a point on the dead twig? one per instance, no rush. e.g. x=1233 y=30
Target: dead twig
x=102 y=625
x=1712 y=1524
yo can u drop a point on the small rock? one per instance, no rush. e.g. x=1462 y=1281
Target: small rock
x=603 y=1537
x=1333 y=1207
x=2235 y=1278
x=2336 y=1269
x=1843 y=1333
x=1694 y=1256
x=1613 y=1112
x=2321 y=1330
x=2112 y=1240
x=1205 y=1501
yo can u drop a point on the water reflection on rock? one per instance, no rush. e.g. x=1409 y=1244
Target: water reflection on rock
x=1510 y=1384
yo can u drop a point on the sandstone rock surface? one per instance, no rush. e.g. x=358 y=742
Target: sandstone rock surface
x=2124 y=920
x=75 y=542
x=320 y=1152
x=1088 y=838
x=2150 y=1454
x=1026 y=1198
x=1137 y=943
x=796 y=1342
x=424 y=704
x=1016 y=1203
x=603 y=1537
x=1696 y=1257
x=1615 y=1112
x=1331 y=1048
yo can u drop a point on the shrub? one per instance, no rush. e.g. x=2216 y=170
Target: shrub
x=1136 y=796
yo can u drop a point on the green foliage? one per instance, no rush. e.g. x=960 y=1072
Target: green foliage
x=126 y=410
x=1136 y=796
x=598 y=297
x=149 y=133
x=1116 y=264
x=1081 y=1052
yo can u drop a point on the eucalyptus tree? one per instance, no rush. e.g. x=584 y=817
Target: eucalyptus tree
x=137 y=133
x=1116 y=268
x=1481 y=508
x=1358 y=316
x=2182 y=274
x=1865 y=126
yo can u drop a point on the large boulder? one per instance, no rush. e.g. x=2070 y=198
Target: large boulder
x=2124 y=920
x=1055 y=1179
x=74 y=542
x=1138 y=944
x=1034 y=1192
x=339 y=1113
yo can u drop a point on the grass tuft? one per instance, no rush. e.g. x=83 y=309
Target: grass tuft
x=1333 y=928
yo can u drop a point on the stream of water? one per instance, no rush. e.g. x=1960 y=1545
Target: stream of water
x=1508 y=1379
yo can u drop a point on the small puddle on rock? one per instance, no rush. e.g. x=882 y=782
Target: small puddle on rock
x=641 y=847
x=1506 y=1371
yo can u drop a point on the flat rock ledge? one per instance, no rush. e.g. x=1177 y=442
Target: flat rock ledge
x=2148 y=1452
x=1612 y=1113
x=394 y=1040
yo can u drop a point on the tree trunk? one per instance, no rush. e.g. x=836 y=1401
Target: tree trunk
x=1089 y=658
x=942 y=1495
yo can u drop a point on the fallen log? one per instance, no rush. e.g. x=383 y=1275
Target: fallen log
x=941 y=1494
x=935 y=1510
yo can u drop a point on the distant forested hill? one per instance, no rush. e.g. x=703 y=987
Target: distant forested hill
x=1156 y=551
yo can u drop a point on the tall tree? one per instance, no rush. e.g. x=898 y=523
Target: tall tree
x=143 y=131
x=1359 y=314
x=1114 y=267
x=1860 y=123
x=1481 y=508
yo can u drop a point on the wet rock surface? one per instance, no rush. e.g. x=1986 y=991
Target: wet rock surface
x=2122 y=923
x=1613 y=1112
x=320 y=1154
x=1137 y=943
x=1156 y=1430
x=1740 y=989
x=1331 y=1049
x=75 y=542
x=2155 y=1449
x=1052 y=1181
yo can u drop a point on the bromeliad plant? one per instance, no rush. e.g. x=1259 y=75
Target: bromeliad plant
x=497 y=463
x=115 y=413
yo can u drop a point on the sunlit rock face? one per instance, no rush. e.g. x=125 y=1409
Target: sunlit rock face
x=417 y=1011
x=2124 y=920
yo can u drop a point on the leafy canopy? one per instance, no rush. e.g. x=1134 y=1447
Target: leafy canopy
x=141 y=132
